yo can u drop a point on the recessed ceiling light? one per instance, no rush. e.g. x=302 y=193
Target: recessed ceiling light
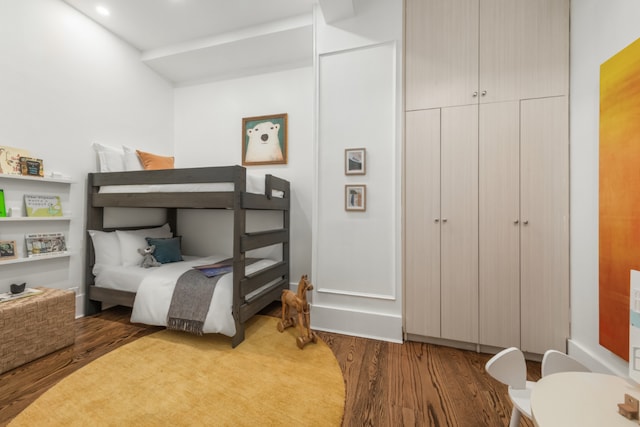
x=103 y=11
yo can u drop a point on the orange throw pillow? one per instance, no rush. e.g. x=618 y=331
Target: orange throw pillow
x=154 y=162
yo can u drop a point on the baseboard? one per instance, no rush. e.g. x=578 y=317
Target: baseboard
x=79 y=306
x=379 y=326
x=461 y=345
x=595 y=362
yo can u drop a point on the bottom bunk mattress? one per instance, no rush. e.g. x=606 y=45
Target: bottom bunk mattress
x=154 y=290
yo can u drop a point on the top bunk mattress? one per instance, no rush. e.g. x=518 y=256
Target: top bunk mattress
x=255 y=184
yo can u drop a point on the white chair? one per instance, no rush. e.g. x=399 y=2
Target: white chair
x=510 y=368
x=555 y=361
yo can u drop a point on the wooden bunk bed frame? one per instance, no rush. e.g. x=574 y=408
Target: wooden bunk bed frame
x=238 y=200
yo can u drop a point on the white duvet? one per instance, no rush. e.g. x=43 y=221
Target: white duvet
x=156 y=286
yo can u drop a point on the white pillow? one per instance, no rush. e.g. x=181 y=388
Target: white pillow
x=132 y=240
x=106 y=247
x=110 y=159
x=131 y=159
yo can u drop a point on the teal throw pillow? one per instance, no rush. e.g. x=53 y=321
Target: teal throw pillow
x=167 y=249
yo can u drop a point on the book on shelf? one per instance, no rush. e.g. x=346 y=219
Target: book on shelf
x=3 y=209
x=31 y=167
x=8 y=296
x=7 y=250
x=216 y=269
x=42 y=244
x=42 y=206
x=10 y=159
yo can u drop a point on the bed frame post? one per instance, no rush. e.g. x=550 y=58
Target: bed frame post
x=172 y=220
x=239 y=229
x=94 y=222
x=286 y=219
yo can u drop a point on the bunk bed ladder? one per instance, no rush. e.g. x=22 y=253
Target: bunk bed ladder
x=245 y=307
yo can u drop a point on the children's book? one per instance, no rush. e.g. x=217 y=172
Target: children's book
x=10 y=159
x=42 y=205
x=39 y=244
x=3 y=209
x=216 y=269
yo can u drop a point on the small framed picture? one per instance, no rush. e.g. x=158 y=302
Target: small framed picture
x=7 y=249
x=355 y=197
x=355 y=161
x=264 y=140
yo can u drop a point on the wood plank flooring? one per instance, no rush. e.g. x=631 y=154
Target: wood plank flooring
x=387 y=384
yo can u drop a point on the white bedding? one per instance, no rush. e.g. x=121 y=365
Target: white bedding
x=154 y=289
x=255 y=184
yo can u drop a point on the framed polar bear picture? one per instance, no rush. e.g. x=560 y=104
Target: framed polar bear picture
x=264 y=140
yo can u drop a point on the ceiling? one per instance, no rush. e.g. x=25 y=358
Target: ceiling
x=192 y=41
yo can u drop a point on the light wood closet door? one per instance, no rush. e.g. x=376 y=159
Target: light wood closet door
x=459 y=265
x=441 y=53
x=545 y=224
x=499 y=219
x=524 y=49
x=422 y=222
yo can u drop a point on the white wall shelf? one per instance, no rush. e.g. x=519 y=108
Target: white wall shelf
x=38 y=179
x=34 y=218
x=15 y=225
x=37 y=258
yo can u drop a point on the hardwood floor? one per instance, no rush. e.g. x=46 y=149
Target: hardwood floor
x=387 y=384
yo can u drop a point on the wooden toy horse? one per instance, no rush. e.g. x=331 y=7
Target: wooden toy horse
x=299 y=303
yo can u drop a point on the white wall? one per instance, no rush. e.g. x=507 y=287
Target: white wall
x=357 y=255
x=64 y=83
x=598 y=31
x=208 y=132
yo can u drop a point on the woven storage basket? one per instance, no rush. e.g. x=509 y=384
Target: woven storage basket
x=34 y=326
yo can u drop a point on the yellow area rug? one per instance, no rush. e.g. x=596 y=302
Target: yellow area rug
x=176 y=379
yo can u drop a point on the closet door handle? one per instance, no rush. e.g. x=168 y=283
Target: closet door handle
x=516 y=221
x=444 y=219
x=475 y=94
x=436 y=220
x=525 y=222
x=484 y=92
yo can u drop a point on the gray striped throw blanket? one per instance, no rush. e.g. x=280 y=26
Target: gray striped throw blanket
x=191 y=300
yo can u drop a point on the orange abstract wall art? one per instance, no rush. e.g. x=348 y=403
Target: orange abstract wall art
x=619 y=216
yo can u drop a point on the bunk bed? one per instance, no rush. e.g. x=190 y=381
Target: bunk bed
x=214 y=188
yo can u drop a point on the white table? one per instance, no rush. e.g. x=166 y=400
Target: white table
x=581 y=399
